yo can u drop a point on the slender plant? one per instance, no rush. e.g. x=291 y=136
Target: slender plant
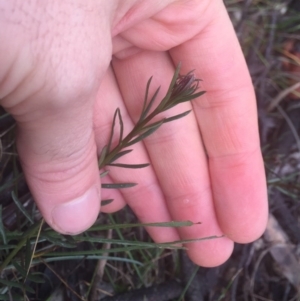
x=182 y=88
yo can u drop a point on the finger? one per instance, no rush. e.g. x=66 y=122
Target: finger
x=146 y=198
x=177 y=156
x=59 y=160
x=227 y=118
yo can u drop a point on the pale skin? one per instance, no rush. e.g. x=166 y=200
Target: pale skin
x=57 y=82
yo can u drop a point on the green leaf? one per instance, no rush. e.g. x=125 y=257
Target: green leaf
x=120 y=154
x=28 y=233
x=28 y=255
x=177 y=116
x=59 y=240
x=146 y=133
x=104 y=173
x=17 y=285
x=182 y=99
x=173 y=82
x=32 y=277
x=118 y=185
x=5 y=247
x=172 y=224
x=103 y=155
x=143 y=116
x=89 y=257
x=106 y=202
x=20 y=269
x=36 y=278
x=121 y=126
x=129 y=165
x=2 y=229
x=145 y=98
x=14 y=297
x=21 y=207
x=188 y=97
x=112 y=130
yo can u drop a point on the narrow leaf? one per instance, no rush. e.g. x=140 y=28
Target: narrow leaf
x=120 y=154
x=17 y=285
x=19 y=268
x=102 y=156
x=112 y=131
x=129 y=165
x=28 y=233
x=21 y=207
x=2 y=229
x=12 y=296
x=144 y=115
x=189 y=97
x=104 y=173
x=177 y=116
x=91 y=257
x=59 y=241
x=173 y=82
x=28 y=255
x=192 y=96
x=172 y=224
x=152 y=125
x=121 y=126
x=118 y=185
x=146 y=134
x=5 y=247
x=12 y=283
x=35 y=278
x=185 y=241
x=146 y=98
x=182 y=99
x=106 y=202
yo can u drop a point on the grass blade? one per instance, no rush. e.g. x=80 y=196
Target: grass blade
x=21 y=207
x=59 y=240
x=29 y=253
x=30 y=232
x=2 y=230
x=188 y=284
x=172 y=224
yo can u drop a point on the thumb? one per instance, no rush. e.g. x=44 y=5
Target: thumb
x=59 y=159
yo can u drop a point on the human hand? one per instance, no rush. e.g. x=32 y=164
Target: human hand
x=206 y=167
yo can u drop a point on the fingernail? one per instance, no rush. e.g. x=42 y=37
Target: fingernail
x=78 y=214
